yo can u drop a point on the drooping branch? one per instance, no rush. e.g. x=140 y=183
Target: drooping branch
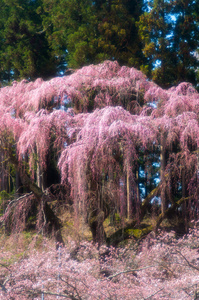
x=50 y=219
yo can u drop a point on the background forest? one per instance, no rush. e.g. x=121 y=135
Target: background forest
x=40 y=38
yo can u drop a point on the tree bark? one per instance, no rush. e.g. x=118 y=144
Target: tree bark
x=162 y=175
x=128 y=194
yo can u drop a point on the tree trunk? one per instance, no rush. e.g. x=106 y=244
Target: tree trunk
x=162 y=175
x=95 y=221
x=19 y=188
x=128 y=194
x=4 y=173
x=146 y=203
x=40 y=175
x=183 y=191
x=138 y=196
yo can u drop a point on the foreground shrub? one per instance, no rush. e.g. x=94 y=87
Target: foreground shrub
x=163 y=267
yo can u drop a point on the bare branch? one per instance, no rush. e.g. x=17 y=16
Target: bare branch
x=188 y=262
x=18 y=199
x=59 y=295
x=130 y=271
x=153 y=294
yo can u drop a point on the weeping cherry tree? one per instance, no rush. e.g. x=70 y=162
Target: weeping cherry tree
x=97 y=132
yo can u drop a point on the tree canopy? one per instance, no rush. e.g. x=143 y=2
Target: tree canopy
x=111 y=138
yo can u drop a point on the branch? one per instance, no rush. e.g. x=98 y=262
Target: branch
x=129 y=271
x=153 y=294
x=61 y=295
x=16 y=200
x=26 y=180
x=4 y=289
x=4 y=266
x=73 y=287
x=188 y=287
x=39 y=195
x=187 y=261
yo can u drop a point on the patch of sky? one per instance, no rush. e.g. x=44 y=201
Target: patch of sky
x=66 y=103
x=153 y=104
x=13 y=113
x=156 y=201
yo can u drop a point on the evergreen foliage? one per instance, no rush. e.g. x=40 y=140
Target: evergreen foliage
x=169 y=31
x=43 y=38
x=24 y=49
x=92 y=31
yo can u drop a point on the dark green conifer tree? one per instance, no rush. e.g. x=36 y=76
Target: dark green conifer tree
x=169 y=32
x=24 y=49
x=85 y=32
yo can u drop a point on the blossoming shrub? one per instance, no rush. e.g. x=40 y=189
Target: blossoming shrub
x=162 y=267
